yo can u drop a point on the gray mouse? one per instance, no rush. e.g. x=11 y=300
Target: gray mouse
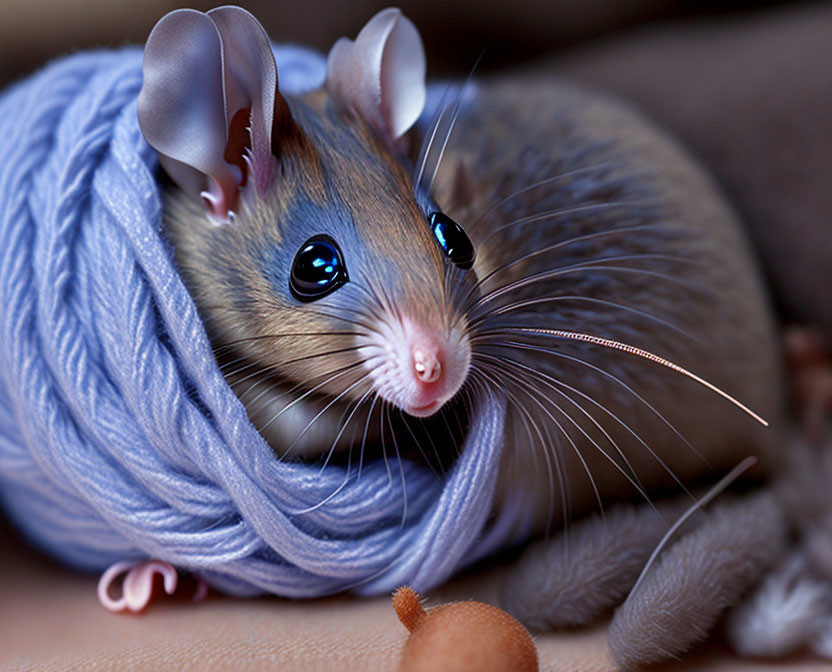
x=362 y=281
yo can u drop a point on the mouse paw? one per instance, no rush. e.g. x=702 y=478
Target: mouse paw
x=809 y=369
x=137 y=579
x=713 y=558
x=571 y=579
x=683 y=595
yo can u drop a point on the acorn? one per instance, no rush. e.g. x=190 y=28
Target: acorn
x=462 y=636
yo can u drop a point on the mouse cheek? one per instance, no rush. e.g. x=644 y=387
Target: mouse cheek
x=416 y=365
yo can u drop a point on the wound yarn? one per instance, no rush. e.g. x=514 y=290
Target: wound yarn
x=119 y=438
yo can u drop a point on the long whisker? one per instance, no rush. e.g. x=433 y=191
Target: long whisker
x=383 y=411
x=541 y=378
x=549 y=214
x=610 y=376
x=559 y=245
x=433 y=128
x=341 y=372
x=545 y=448
x=511 y=307
x=633 y=480
x=271 y=385
x=550 y=248
x=549 y=381
x=454 y=117
x=401 y=467
x=373 y=307
x=364 y=436
x=478 y=380
x=346 y=480
x=343 y=426
x=560 y=472
x=639 y=352
x=419 y=445
x=341 y=318
x=294 y=334
x=275 y=384
x=589 y=265
x=732 y=475
x=329 y=405
x=535 y=185
x=304 y=358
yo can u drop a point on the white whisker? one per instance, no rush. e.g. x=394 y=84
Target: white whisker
x=633 y=350
x=535 y=185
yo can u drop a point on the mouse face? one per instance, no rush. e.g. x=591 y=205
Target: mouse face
x=341 y=253
x=325 y=271
x=318 y=259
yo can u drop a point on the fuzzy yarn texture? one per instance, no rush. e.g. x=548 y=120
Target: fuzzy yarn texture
x=119 y=438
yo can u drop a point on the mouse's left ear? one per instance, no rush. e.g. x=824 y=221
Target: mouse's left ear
x=209 y=103
x=381 y=74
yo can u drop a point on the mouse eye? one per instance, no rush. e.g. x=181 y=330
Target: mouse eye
x=452 y=239
x=317 y=270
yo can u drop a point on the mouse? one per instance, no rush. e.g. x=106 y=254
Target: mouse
x=330 y=266
x=363 y=277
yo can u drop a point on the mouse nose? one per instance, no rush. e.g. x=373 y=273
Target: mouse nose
x=426 y=362
x=415 y=364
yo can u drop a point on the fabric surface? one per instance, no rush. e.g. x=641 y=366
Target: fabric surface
x=51 y=620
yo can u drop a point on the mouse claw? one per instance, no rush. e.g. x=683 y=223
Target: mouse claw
x=137 y=584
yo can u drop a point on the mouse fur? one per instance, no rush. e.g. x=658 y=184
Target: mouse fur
x=517 y=133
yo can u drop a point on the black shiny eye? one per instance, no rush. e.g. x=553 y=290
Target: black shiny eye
x=317 y=270
x=452 y=239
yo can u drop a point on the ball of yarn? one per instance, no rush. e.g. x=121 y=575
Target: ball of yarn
x=119 y=438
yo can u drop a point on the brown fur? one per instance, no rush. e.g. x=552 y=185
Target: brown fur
x=220 y=264
x=516 y=134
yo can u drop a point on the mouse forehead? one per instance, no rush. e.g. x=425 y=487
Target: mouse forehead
x=370 y=191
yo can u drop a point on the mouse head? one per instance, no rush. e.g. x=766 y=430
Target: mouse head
x=310 y=247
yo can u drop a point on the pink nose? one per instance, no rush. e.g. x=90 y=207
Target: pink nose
x=426 y=363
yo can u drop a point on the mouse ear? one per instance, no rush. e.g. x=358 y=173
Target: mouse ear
x=208 y=102
x=250 y=80
x=181 y=110
x=381 y=74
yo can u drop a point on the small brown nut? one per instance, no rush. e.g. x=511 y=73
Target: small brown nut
x=462 y=636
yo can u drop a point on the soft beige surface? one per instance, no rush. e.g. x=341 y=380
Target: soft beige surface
x=50 y=619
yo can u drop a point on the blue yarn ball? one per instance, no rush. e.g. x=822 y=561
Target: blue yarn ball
x=119 y=438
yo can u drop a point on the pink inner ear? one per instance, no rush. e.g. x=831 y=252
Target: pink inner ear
x=250 y=83
x=208 y=102
x=181 y=110
x=239 y=142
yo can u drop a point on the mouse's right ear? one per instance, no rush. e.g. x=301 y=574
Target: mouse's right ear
x=381 y=74
x=209 y=103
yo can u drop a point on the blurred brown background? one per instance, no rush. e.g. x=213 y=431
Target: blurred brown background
x=32 y=31
x=745 y=84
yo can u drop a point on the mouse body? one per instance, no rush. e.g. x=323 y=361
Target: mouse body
x=652 y=256
x=546 y=243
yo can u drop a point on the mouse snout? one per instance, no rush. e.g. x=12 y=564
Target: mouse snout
x=429 y=389
x=417 y=365
x=427 y=361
